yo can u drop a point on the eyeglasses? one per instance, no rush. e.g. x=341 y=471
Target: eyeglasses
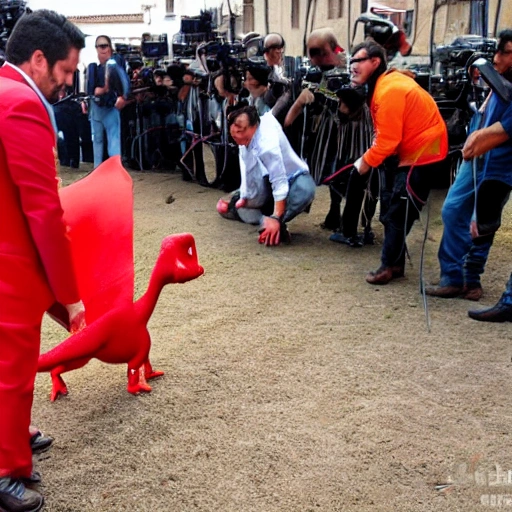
x=103 y=46
x=360 y=59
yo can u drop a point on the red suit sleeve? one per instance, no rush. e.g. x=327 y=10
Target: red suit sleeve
x=29 y=144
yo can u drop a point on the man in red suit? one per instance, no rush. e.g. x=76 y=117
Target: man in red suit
x=36 y=269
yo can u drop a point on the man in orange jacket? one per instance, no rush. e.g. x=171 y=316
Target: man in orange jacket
x=35 y=257
x=409 y=146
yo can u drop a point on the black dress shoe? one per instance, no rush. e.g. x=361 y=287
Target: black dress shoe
x=15 y=497
x=40 y=443
x=498 y=313
x=352 y=241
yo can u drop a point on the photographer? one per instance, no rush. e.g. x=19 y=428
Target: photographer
x=109 y=86
x=462 y=262
x=276 y=184
x=337 y=139
x=273 y=52
x=411 y=141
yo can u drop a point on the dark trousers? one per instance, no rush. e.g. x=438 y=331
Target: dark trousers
x=491 y=198
x=398 y=209
x=356 y=200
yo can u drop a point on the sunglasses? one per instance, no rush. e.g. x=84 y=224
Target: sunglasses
x=103 y=46
x=360 y=59
x=316 y=52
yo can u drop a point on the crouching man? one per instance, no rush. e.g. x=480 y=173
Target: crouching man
x=275 y=183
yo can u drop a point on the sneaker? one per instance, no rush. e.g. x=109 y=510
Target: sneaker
x=40 y=442
x=15 y=497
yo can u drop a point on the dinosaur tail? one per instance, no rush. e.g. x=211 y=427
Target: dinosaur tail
x=83 y=344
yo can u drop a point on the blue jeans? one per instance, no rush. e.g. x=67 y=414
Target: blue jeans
x=300 y=196
x=108 y=119
x=461 y=261
x=506 y=298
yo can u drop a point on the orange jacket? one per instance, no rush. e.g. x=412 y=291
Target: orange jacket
x=407 y=123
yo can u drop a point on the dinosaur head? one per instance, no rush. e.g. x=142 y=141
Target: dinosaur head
x=177 y=261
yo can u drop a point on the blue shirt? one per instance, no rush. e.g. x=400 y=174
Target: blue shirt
x=498 y=161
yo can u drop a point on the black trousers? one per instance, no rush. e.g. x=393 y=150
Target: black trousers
x=398 y=208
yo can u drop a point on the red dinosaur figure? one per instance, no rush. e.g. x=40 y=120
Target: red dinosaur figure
x=99 y=211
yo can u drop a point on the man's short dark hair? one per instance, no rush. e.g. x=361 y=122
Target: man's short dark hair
x=251 y=112
x=373 y=49
x=43 y=30
x=504 y=37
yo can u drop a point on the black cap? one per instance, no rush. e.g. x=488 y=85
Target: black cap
x=259 y=71
x=353 y=97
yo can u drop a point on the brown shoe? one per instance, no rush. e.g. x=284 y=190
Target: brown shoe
x=383 y=275
x=474 y=293
x=444 y=292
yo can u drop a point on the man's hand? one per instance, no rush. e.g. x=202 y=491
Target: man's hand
x=361 y=166
x=270 y=232
x=473 y=229
x=483 y=140
x=305 y=97
x=120 y=103
x=241 y=203
x=76 y=314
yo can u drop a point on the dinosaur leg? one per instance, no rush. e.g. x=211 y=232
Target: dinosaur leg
x=137 y=381
x=59 y=387
x=149 y=373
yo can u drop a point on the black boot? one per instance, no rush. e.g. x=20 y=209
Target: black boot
x=15 y=497
x=499 y=313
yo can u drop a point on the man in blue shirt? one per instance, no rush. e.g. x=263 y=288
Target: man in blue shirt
x=109 y=86
x=462 y=261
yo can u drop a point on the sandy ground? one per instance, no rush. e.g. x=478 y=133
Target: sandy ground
x=290 y=384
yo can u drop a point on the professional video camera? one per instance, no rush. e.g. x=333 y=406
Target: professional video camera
x=450 y=63
x=194 y=30
x=324 y=85
x=10 y=12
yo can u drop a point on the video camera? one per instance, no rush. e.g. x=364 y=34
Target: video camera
x=10 y=12
x=450 y=63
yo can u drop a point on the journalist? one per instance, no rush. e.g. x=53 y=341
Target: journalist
x=461 y=261
x=410 y=144
x=275 y=183
x=109 y=86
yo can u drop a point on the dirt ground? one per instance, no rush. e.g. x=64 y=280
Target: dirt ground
x=290 y=383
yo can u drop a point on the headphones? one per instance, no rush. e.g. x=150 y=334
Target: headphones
x=280 y=45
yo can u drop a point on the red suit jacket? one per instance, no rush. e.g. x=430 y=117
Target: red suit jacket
x=35 y=255
x=36 y=268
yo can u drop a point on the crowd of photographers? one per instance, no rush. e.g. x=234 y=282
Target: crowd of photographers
x=327 y=117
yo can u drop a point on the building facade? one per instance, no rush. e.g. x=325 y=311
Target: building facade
x=295 y=19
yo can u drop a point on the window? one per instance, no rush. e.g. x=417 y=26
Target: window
x=248 y=16
x=335 y=8
x=295 y=14
x=169 y=6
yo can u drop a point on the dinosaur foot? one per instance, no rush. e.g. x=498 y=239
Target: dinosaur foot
x=153 y=374
x=137 y=389
x=59 y=387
